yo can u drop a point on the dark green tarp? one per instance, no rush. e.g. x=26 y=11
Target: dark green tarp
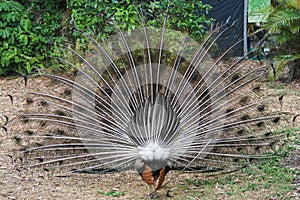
x=221 y=11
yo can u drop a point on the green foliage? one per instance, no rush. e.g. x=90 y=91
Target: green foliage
x=185 y=16
x=98 y=17
x=51 y=23
x=24 y=41
x=31 y=31
x=16 y=38
x=50 y=19
x=112 y=193
x=283 y=25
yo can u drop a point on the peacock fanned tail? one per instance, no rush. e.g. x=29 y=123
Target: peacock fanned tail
x=154 y=100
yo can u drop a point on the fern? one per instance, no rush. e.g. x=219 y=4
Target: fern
x=283 y=25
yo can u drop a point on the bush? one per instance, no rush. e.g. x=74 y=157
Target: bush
x=17 y=40
x=28 y=29
x=186 y=16
x=98 y=17
x=25 y=37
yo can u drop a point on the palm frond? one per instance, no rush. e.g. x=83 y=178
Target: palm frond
x=281 y=19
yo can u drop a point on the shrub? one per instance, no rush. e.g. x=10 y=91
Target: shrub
x=17 y=40
x=28 y=29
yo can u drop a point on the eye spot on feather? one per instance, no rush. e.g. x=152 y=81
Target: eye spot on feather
x=43 y=103
x=24 y=119
x=29 y=100
x=272 y=144
x=251 y=137
x=29 y=132
x=229 y=111
x=241 y=132
x=268 y=134
x=46 y=169
x=276 y=119
x=256 y=88
x=261 y=108
x=17 y=138
x=260 y=124
x=239 y=149
x=244 y=101
x=235 y=77
x=60 y=113
x=67 y=92
x=245 y=117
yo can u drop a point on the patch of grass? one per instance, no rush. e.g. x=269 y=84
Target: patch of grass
x=293 y=137
x=276 y=86
x=111 y=193
x=258 y=181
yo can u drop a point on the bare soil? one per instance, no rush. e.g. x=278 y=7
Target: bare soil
x=17 y=182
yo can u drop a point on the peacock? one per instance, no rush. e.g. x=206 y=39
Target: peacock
x=154 y=100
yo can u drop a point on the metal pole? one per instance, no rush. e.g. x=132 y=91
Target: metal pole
x=245 y=26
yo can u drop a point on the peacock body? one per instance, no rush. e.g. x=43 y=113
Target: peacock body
x=154 y=101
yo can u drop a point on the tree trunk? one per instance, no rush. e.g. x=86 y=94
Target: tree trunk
x=294 y=72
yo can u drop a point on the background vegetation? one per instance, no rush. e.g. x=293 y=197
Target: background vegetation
x=283 y=26
x=32 y=30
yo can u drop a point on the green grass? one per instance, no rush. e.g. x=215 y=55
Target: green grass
x=275 y=85
x=259 y=181
x=111 y=193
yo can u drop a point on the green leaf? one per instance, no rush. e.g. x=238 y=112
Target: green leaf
x=5 y=45
x=23 y=39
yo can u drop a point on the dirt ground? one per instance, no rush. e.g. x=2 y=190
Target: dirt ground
x=20 y=183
